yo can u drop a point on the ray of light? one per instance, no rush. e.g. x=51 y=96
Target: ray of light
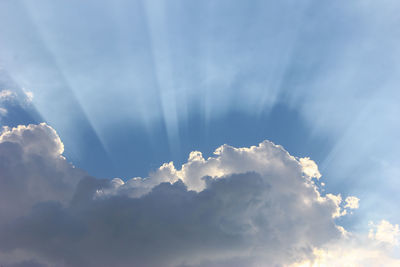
x=54 y=96
x=164 y=70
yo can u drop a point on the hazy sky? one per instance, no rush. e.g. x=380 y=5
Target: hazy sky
x=131 y=85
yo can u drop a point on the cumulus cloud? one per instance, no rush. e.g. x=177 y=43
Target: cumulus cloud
x=385 y=233
x=376 y=249
x=352 y=202
x=256 y=206
x=266 y=158
x=33 y=170
x=310 y=168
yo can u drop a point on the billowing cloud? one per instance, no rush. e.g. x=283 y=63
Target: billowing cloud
x=266 y=159
x=310 y=168
x=385 y=233
x=378 y=248
x=256 y=206
x=33 y=170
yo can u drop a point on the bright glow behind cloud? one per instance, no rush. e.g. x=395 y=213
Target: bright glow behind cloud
x=249 y=206
x=333 y=63
x=162 y=62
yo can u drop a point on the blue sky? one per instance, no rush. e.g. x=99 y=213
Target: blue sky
x=129 y=85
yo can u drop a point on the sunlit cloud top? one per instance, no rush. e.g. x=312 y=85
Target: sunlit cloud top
x=171 y=73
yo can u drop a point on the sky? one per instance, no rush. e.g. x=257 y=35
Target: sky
x=199 y=133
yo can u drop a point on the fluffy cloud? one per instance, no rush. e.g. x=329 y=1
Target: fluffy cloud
x=266 y=159
x=379 y=248
x=352 y=202
x=385 y=233
x=256 y=206
x=33 y=170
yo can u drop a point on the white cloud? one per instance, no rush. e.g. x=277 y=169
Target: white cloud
x=7 y=95
x=32 y=169
x=354 y=250
x=266 y=159
x=344 y=255
x=310 y=168
x=241 y=207
x=385 y=232
x=352 y=202
x=28 y=95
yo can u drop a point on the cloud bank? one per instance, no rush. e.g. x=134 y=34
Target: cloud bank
x=256 y=206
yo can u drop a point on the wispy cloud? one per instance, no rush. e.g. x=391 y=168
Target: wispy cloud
x=12 y=96
x=3 y=111
x=28 y=95
x=7 y=95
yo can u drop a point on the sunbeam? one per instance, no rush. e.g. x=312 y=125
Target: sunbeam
x=47 y=76
x=173 y=103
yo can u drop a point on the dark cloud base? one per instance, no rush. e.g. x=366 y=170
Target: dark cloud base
x=167 y=227
x=256 y=206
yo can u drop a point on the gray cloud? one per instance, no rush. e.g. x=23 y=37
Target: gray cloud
x=33 y=170
x=242 y=207
x=234 y=217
